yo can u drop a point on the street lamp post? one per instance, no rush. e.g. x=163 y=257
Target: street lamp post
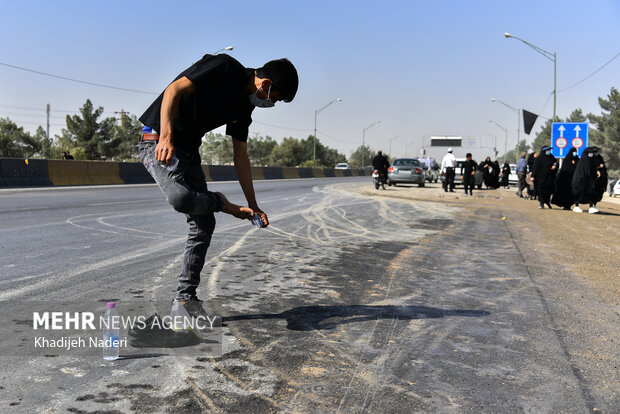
x=362 y=155
x=518 y=112
x=392 y=139
x=315 y=115
x=551 y=56
x=224 y=48
x=505 y=139
x=408 y=145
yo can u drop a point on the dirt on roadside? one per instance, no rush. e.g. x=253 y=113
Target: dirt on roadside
x=586 y=244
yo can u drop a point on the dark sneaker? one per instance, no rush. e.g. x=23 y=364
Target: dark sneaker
x=194 y=307
x=154 y=334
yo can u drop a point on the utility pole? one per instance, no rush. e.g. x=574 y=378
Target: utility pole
x=48 y=122
x=122 y=112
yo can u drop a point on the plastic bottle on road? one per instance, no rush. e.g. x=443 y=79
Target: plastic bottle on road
x=111 y=333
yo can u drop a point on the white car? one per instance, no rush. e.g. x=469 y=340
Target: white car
x=513 y=178
x=615 y=190
x=342 y=166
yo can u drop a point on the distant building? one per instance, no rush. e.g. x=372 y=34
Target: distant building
x=437 y=147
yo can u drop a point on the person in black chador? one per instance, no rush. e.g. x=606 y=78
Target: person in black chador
x=505 y=174
x=495 y=176
x=468 y=174
x=544 y=176
x=563 y=196
x=487 y=171
x=531 y=161
x=589 y=180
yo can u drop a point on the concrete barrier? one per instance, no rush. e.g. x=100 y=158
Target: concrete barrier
x=222 y=172
x=77 y=172
x=18 y=172
x=15 y=172
x=135 y=173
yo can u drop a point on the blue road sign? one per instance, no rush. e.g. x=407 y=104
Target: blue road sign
x=565 y=135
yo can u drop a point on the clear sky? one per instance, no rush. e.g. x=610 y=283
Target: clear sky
x=421 y=67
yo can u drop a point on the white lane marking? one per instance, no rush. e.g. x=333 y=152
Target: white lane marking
x=52 y=279
x=111 y=203
x=105 y=186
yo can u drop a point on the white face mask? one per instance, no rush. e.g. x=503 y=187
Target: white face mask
x=590 y=154
x=261 y=103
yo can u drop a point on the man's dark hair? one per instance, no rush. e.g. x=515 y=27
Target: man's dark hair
x=283 y=75
x=468 y=155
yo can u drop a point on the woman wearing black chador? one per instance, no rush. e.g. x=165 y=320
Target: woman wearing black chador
x=590 y=180
x=563 y=196
x=544 y=176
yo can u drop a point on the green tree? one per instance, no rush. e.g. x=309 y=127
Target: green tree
x=260 y=149
x=84 y=131
x=363 y=152
x=606 y=134
x=289 y=153
x=12 y=139
x=510 y=155
x=123 y=145
x=325 y=156
x=216 y=149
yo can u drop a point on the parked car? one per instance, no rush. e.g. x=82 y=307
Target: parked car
x=614 y=188
x=513 y=178
x=342 y=166
x=406 y=171
x=431 y=168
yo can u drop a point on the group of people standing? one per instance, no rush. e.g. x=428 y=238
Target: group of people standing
x=494 y=176
x=580 y=180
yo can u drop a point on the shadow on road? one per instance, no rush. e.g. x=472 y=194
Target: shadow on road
x=308 y=318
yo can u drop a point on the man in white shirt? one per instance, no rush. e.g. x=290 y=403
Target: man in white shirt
x=448 y=164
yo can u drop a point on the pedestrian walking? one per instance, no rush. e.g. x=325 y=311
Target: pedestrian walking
x=589 y=180
x=563 y=196
x=217 y=90
x=505 y=174
x=544 y=176
x=521 y=174
x=448 y=164
x=531 y=162
x=468 y=174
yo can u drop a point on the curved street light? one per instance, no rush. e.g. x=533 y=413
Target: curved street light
x=315 y=115
x=392 y=139
x=505 y=139
x=551 y=56
x=518 y=112
x=225 y=48
x=362 y=155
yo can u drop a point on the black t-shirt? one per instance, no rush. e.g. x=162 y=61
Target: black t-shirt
x=468 y=167
x=219 y=99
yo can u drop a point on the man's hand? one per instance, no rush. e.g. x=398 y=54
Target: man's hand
x=598 y=174
x=262 y=215
x=553 y=168
x=164 y=151
x=240 y=212
x=473 y=173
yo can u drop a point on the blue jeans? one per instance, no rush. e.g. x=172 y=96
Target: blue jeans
x=186 y=190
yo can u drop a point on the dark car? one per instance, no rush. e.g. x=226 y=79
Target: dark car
x=406 y=171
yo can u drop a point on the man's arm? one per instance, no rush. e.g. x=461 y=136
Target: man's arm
x=169 y=106
x=244 y=175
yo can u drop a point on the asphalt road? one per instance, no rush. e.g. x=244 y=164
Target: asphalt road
x=346 y=303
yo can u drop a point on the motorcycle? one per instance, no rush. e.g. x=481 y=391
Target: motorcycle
x=380 y=179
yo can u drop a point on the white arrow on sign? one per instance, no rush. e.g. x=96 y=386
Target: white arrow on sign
x=577 y=129
x=562 y=129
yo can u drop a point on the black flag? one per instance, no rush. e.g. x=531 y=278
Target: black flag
x=529 y=119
